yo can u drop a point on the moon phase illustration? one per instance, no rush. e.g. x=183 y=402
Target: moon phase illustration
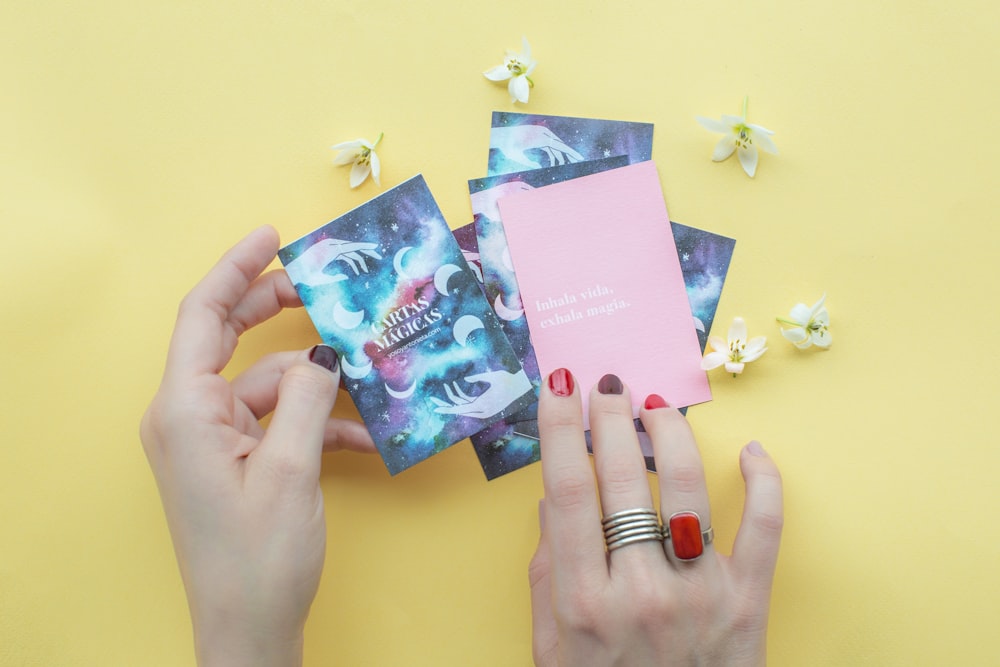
x=464 y=326
x=397 y=261
x=442 y=275
x=505 y=313
x=347 y=319
x=355 y=372
x=405 y=393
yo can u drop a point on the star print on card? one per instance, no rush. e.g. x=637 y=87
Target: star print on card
x=421 y=352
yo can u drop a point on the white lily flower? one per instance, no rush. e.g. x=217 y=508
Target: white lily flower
x=360 y=153
x=808 y=326
x=735 y=353
x=516 y=71
x=741 y=137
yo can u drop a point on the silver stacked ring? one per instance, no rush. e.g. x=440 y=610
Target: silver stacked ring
x=631 y=526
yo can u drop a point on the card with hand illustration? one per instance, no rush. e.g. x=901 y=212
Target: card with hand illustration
x=520 y=142
x=421 y=352
x=602 y=286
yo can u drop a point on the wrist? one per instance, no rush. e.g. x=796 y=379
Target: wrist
x=233 y=645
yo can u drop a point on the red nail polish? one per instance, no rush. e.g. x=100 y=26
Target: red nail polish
x=654 y=401
x=561 y=382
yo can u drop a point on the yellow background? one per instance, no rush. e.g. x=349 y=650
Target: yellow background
x=139 y=140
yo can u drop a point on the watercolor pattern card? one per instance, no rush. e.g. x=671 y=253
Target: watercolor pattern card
x=422 y=354
x=519 y=142
x=602 y=285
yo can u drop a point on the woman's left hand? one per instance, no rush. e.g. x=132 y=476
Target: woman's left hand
x=243 y=503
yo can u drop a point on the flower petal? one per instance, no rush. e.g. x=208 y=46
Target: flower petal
x=376 y=167
x=733 y=121
x=822 y=338
x=349 y=145
x=713 y=125
x=518 y=88
x=525 y=49
x=819 y=304
x=345 y=157
x=359 y=172
x=748 y=159
x=762 y=139
x=734 y=367
x=713 y=360
x=498 y=73
x=795 y=334
x=737 y=330
x=801 y=314
x=755 y=349
x=723 y=149
x=718 y=344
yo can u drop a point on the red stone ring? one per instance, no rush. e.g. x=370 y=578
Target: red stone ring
x=688 y=540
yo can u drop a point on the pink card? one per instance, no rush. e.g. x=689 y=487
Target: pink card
x=602 y=287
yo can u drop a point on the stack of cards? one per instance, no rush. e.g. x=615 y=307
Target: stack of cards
x=571 y=261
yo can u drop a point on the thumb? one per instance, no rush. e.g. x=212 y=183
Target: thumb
x=544 y=637
x=755 y=550
x=293 y=444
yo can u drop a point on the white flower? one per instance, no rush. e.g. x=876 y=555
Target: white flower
x=809 y=326
x=360 y=153
x=740 y=136
x=516 y=71
x=736 y=352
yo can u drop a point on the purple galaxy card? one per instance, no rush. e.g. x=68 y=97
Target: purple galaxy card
x=421 y=352
x=520 y=142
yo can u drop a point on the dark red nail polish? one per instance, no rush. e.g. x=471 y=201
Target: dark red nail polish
x=561 y=382
x=325 y=356
x=610 y=384
x=654 y=401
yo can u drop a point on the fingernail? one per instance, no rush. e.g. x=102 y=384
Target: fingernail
x=561 y=382
x=654 y=401
x=755 y=448
x=610 y=384
x=325 y=356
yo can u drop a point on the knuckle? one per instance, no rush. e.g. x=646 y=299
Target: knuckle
x=582 y=612
x=571 y=489
x=618 y=477
x=768 y=522
x=686 y=478
x=308 y=384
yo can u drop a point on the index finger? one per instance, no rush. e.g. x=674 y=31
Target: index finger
x=203 y=340
x=572 y=515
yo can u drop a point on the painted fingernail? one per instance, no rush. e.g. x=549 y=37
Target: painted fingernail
x=561 y=382
x=610 y=384
x=755 y=448
x=325 y=356
x=654 y=401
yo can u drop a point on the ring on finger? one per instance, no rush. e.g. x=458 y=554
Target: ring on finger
x=631 y=526
x=687 y=538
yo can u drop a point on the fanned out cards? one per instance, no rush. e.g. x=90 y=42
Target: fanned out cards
x=439 y=331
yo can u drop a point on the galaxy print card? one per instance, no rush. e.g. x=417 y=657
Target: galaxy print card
x=503 y=449
x=421 y=352
x=704 y=259
x=520 y=142
x=602 y=285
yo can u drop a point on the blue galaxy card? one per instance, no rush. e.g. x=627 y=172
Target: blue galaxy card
x=421 y=351
x=520 y=141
